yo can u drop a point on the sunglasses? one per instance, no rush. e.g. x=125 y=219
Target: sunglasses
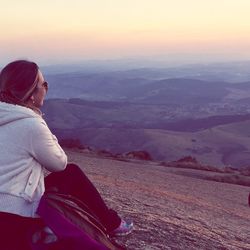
x=45 y=85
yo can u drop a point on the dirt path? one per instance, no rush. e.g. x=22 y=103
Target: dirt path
x=171 y=211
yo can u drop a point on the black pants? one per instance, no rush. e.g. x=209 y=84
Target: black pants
x=74 y=182
x=16 y=231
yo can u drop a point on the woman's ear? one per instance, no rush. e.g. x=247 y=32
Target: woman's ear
x=32 y=99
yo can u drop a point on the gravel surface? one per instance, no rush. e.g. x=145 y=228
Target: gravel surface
x=171 y=211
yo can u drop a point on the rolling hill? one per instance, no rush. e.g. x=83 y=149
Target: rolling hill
x=122 y=127
x=163 y=111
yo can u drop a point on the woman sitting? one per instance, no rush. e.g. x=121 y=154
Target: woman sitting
x=27 y=149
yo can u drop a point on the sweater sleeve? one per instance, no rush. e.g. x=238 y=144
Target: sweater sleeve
x=45 y=147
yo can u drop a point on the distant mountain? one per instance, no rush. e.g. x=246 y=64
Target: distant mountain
x=113 y=88
x=157 y=69
x=123 y=127
x=78 y=114
x=127 y=87
x=169 y=112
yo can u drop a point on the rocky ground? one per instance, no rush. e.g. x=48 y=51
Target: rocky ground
x=171 y=209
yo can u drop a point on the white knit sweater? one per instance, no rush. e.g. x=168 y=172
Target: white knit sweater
x=26 y=147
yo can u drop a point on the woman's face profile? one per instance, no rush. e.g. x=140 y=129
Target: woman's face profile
x=40 y=91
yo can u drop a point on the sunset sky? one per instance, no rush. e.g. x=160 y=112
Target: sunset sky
x=62 y=31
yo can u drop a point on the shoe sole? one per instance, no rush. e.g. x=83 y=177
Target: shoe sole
x=123 y=234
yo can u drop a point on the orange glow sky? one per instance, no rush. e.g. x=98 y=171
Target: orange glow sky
x=62 y=31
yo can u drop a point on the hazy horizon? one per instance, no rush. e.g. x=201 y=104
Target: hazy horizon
x=127 y=63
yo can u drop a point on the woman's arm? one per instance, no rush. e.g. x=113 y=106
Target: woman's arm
x=45 y=147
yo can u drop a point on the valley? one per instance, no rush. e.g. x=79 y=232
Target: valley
x=197 y=110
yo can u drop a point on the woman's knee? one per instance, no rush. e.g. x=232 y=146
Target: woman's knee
x=72 y=167
x=58 y=179
x=74 y=170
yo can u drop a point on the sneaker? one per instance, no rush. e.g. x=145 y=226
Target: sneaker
x=125 y=228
